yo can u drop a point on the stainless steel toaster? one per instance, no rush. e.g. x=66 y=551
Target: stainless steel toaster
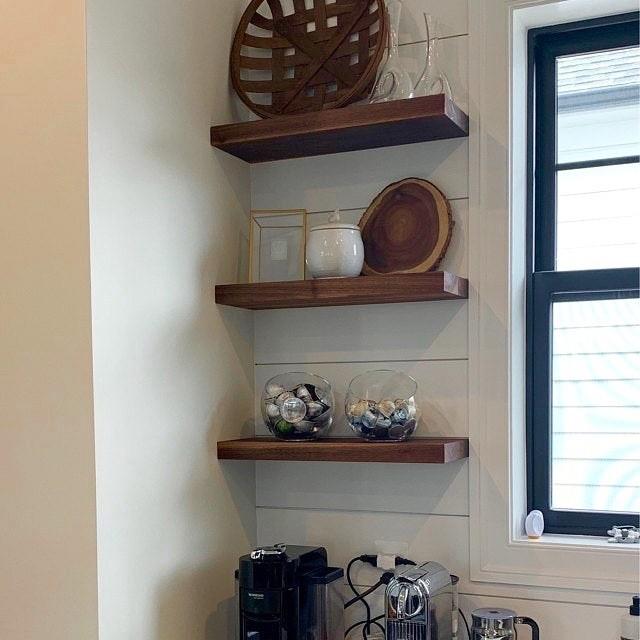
x=418 y=604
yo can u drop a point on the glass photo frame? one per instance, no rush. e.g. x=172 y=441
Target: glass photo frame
x=277 y=240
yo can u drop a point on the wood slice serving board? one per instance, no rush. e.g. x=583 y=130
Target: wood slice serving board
x=406 y=229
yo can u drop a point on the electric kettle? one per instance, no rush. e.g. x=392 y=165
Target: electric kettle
x=496 y=624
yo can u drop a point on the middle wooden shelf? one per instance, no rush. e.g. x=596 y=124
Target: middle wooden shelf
x=326 y=292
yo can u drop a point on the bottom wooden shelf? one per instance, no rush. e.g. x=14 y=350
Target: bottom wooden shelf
x=416 y=450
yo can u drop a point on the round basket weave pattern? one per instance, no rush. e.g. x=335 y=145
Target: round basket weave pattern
x=295 y=56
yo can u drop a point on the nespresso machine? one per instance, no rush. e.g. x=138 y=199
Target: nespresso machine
x=421 y=604
x=289 y=593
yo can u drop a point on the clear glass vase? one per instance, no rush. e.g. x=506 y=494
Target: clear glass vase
x=433 y=81
x=297 y=406
x=393 y=81
x=381 y=405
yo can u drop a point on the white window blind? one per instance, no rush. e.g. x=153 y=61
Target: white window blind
x=596 y=343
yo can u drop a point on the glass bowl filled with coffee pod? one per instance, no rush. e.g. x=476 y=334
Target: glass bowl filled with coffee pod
x=381 y=405
x=297 y=406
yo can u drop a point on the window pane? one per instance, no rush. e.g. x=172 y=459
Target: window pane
x=596 y=406
x=598 y=105
x=598 y=218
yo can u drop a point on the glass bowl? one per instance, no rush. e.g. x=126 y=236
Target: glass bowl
x=381 y=405
x=297 y=406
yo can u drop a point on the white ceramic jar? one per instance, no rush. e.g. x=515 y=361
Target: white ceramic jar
x=335 y=250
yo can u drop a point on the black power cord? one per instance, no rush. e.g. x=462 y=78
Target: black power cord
x=364 y=594
x=466 y=624
x=372 y=621
x=360 y=597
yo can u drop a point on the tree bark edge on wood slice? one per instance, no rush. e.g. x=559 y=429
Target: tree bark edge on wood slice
x=406 y=229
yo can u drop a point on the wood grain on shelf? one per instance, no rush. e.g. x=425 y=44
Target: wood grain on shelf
x=326 y=292
x=416 y=450
x=352 y=128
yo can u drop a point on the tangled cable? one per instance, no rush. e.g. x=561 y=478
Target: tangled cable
x=361 y=597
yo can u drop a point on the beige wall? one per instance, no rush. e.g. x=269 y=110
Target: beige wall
x=47 y=488
x=173 y=372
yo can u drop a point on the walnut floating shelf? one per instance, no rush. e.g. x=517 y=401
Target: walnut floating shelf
x=353 y=128
x=328 y=292
x=417 y=450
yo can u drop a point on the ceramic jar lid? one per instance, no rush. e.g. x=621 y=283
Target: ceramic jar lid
x=335 y=223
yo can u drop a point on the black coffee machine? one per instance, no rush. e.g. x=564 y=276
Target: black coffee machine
x=289 y=593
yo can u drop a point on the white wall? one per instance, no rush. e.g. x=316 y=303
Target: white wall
x=348 y=507
x=47 y=486
x=172 y=372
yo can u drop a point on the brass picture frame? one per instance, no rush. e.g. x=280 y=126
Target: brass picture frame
x=280 y=220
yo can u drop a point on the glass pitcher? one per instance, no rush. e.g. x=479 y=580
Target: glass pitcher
x=496 y=624
x=393 y=81
x=432 y=80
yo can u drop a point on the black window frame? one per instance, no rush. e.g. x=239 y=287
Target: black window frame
x=545 y=284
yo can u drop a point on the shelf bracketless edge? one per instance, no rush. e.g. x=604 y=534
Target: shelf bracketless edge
x=351 y=128
x=416 y=450
x=393 y=288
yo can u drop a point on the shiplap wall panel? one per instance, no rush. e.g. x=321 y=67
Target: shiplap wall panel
x=406 y=488
x=352 y=180
x=349 y=507
x=451 y=16
x=348 y=534
x=420 y=330
x=442 y=392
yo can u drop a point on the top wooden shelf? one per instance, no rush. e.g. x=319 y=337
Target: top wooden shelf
x=353 y=128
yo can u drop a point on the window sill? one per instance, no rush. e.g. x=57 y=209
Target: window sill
x=559 y=541
x=556 y=561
